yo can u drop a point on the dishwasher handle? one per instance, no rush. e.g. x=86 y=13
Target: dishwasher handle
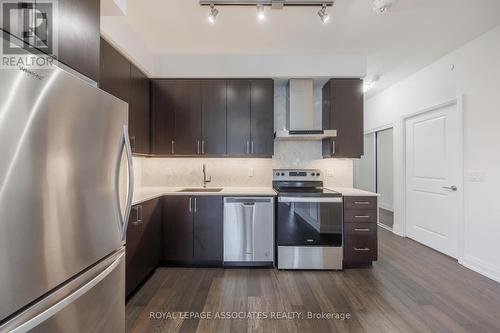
x=247 y=200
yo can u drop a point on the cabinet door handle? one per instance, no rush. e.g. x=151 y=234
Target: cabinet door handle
x=198 y=147
x=363 y=249
x=361 y=216
x=203 y=147
x=140 y=214
x=252 y=146
x=362 y=229
x=361 y=203
x=195 y=205
x=333 y=147
x=132 y=143
x=137 y=221
x=190 y=204
x=173 y=147
x=248 y=147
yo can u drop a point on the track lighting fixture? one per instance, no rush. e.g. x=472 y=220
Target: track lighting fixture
x=212 y=16
x=323 y=15
x=260 y=12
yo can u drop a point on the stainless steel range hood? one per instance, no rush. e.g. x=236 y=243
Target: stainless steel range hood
x=300 y=114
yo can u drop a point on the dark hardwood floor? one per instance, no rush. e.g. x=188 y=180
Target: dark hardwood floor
x=411 y=288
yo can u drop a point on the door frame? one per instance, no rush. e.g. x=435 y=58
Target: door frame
x=458 y=101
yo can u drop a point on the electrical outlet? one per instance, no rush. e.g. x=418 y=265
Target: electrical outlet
x=250 y=172
x=475 y=176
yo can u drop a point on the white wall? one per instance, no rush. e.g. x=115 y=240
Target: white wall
x=385 y=172
x=476 y=74
x=116 y=31
x=364 y=168
x=259 y=65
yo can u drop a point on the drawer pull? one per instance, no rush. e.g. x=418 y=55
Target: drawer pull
x=361 y=203
x=361 y=216
x=362 y=229
x=363 y=249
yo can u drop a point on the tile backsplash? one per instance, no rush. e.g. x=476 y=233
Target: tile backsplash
x=247 y=172
x=239 y=172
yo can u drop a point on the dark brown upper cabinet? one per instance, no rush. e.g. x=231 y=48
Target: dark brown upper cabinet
x=238 y=117
x=176 y=117
x=115 y=72
x=214 y=97
x=79 y=34
x=343 y=111
x=262 y=117
x=212 y=117
x=186 y=99
x=139 y=111
x=162 y=117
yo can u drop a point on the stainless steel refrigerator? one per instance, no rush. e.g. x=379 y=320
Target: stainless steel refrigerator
x=65 y=196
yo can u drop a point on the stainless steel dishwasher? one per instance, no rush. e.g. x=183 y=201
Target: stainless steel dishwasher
x=249 y=231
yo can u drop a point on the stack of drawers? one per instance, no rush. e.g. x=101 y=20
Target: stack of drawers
x=360 y=230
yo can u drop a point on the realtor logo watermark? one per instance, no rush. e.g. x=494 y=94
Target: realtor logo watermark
x=33 y=35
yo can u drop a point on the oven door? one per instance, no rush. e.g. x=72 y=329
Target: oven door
x=309 y=221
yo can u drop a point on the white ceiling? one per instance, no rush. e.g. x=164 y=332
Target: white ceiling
x=412 y=35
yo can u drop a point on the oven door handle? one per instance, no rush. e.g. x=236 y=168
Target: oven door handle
x=310 y=199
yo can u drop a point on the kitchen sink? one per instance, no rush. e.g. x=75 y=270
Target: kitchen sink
x=201 y=189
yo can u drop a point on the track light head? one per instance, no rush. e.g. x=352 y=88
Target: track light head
x=260 y=12
x=323 y=15
x=212 y=16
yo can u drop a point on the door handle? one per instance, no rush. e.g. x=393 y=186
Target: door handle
x=363 y=249
x=248 y=147
x=203 y=147
x=173 y=147
x=124 y=217
x=190 y=204
x=198 y=147
x=252 y=146
x=195 y=205
x=451 y=188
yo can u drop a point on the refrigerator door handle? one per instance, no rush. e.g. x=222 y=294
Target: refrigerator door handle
x=124 y=217
x=22 y=325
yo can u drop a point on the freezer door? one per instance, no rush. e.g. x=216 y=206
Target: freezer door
x=61 y=147
x=94 y=302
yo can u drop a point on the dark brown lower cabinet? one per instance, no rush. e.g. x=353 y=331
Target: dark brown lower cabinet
x=360 y=231
x=208 y=229
x=192 y=229
x=143 y=243
x=177 y=228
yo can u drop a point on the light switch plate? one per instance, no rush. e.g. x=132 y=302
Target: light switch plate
x=475 y=176
x=250 y=172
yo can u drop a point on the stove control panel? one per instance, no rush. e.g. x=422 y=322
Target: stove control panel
x=297 y=175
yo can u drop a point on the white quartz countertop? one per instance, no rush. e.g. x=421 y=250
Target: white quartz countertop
x=142 y=194
x=353 y=192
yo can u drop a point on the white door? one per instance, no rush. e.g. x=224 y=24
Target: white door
x=432 y=173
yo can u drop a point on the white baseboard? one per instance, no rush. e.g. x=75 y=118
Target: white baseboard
x=385 y=206
x=383 y=226
x=481 y=267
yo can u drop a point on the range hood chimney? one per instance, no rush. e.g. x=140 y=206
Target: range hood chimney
x=300 y=114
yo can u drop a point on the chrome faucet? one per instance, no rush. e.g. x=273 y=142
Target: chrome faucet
x=205 y=179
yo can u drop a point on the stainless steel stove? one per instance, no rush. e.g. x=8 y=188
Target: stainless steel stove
x=309 y=221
